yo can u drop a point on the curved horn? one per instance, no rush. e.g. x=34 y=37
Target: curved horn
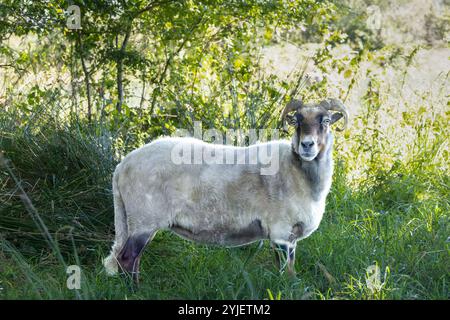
x=336 y=105
x=294 y=104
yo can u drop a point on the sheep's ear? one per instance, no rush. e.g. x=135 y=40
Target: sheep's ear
x=336 y=116
x=291 y=119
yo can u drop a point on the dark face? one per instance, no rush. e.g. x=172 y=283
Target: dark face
x=312 y=128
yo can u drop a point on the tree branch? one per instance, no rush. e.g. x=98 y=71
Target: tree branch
x=11 y=66
x=86 y=77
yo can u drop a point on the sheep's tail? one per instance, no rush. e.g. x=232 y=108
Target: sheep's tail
x=121 y=228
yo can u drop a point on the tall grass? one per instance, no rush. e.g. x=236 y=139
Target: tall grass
x=65 y=168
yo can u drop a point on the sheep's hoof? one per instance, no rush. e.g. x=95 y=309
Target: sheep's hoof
x=131 y=280
x=291 y=273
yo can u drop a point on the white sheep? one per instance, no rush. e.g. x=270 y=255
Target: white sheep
x=226 y=204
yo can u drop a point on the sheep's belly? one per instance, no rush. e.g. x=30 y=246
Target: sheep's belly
x=224 y=236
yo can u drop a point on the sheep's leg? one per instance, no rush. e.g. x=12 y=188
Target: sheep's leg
x=281 y=255
x=130 y=255
x=276 y=249
x=285 y=256
x=277 y=255
x=291 y=260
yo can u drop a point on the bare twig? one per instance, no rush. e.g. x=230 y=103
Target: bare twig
x=11 y=66
x=86 y=77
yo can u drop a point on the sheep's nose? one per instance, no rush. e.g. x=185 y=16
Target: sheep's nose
x=307 y=144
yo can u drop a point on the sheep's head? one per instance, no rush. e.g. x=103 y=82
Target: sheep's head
x=312 y=124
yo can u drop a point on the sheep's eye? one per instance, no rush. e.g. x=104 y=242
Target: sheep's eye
x=326 y=122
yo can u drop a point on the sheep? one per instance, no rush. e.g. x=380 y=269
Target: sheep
x=227 y=204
